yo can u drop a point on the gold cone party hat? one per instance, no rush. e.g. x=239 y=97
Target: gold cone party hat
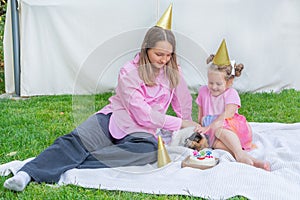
x=221 y=58
x=162 y=154
x=165 y=21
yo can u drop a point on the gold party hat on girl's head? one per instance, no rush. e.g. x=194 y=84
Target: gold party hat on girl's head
x=165 y=21
x=221 y=58
x=162 y=154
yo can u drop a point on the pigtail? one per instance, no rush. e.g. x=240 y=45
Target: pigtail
x=238 y=69
x=210 y=58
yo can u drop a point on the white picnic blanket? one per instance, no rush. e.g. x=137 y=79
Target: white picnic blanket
x=277 y=143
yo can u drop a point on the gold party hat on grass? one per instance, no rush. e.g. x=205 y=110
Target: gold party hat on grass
x=165 y=21
x=221 y=58
x=162 y=154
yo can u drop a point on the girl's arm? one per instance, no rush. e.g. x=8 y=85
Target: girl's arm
x=230 y=110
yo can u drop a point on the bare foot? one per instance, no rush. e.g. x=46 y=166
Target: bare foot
x=262 y=164
x=244 y=157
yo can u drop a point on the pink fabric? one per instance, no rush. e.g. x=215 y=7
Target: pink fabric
x=238 y=124
x=216 y=105
x=139 y=108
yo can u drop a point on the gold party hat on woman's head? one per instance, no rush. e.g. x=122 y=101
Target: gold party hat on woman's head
x=165 y=21
x=221 y=58
x=162 y=154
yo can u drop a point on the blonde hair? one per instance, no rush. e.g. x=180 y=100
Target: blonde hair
x=146 y=72
x=226 y=69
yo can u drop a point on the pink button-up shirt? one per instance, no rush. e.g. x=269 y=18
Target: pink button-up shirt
x=139 y=108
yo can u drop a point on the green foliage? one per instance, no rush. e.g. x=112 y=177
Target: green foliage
x=3 y=7
x=2 y=86
x=2 y=21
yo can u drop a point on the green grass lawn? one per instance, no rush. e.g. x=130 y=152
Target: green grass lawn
x=29 y=126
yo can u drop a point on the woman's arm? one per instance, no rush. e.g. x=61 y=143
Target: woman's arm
x=182 y=100
x=200 y=115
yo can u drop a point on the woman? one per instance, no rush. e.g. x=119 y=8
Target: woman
x=123 y=132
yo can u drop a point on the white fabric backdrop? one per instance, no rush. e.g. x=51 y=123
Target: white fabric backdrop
x=77 y=47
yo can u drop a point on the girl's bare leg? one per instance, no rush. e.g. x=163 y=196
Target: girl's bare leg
x=230 y=141
x=220 y=145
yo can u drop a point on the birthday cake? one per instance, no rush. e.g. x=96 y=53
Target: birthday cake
x=203 y=159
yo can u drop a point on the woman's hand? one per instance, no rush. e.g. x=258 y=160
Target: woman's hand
x=188 y=123
x=198 y=128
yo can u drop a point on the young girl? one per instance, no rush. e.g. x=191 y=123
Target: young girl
x=123 y=132
x=218 y=110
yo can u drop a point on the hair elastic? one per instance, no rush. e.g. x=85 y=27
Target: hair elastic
x=232 y=62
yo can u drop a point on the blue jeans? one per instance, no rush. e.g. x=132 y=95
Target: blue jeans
x=91 y=145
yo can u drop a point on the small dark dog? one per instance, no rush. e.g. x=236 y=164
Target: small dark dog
x=197 y=141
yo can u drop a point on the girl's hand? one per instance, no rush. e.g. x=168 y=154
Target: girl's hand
x=200 y=129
